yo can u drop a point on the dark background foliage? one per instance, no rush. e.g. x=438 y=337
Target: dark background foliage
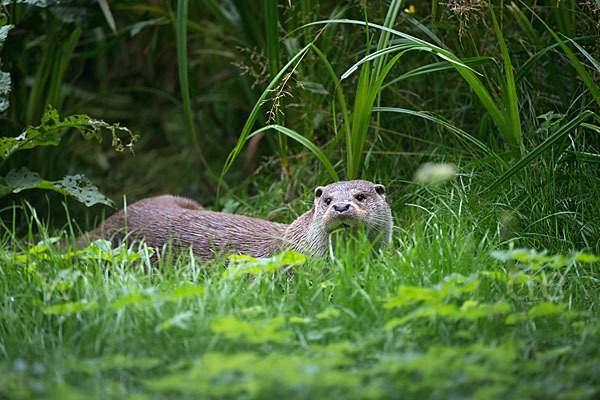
x=71 y=56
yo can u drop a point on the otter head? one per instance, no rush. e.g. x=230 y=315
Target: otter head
x=354 y=203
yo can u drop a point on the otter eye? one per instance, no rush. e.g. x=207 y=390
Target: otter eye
x=328 y=200
x=359 y=197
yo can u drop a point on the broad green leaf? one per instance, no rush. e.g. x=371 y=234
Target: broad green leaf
x=70 y=307
x=186 y=291
x=102 y=249
x=76 y=186
x=135 y=299
x=255 y=331
x=241 y=265
x=4 y=76
x=330 y=312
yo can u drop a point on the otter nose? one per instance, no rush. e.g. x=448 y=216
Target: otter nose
x=341 y=207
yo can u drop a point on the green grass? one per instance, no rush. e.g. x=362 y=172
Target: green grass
x=439 y=314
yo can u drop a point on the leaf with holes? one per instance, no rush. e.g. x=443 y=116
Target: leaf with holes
x=48 y=133
x=76 y=186
x=4 y=76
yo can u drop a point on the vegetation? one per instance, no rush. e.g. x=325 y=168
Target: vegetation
x=481 y=119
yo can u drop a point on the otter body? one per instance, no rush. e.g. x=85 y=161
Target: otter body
x=184 y=223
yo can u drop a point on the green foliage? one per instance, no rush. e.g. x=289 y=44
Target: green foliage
x=242 y=265
x=75 y=186
x=117 y=328
x=49 y=133
x=537 y=260
x=579 y=67
x=99 y=250
x=559 y=134
x=511 y=112
x=4 y=76
x=182 y=63
x=495 y=115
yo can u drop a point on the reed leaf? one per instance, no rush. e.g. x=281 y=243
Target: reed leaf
x=441 y=121
x=110 y=20
x=579 y=67
x=587 y=55
x=182 y=66
x=303 y=141
x=338 y=88
x=510 y=96
x=545 y=145
x=246 y=130
x=465 y=71
x=439 y=67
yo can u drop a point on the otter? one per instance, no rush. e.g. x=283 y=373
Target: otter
x=184 y=223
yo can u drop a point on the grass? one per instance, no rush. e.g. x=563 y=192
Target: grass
x=440 y=314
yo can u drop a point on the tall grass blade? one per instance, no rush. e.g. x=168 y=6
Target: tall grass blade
x=384 y=39
x=526 y=67
x=439 y=120
x=434 y=7
x=305 y=142
x=61 y=62
x=379 y=54
x=108 y=15
x=365 y=98
x=50 y=75
x=510 y=97
x=271 y=26
x=360 y=122
x=466 y=72
x=244 y=135
x=587 y=55
x=396 y=48
x=338 y=88
x=579 y=67
x=341 y=99
x=182 y=65
x=271 y=21
x=249 y=21
x=439 y=67
x=545 y=145
x=524 y=23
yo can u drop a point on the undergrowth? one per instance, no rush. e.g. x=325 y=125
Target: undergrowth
x=451 y=309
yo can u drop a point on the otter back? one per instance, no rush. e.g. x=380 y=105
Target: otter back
x=183 y=223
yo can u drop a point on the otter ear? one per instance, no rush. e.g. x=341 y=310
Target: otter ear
x=318 y=192
x=380 y=189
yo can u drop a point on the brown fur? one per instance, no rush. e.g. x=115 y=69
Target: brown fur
x=184 y=223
